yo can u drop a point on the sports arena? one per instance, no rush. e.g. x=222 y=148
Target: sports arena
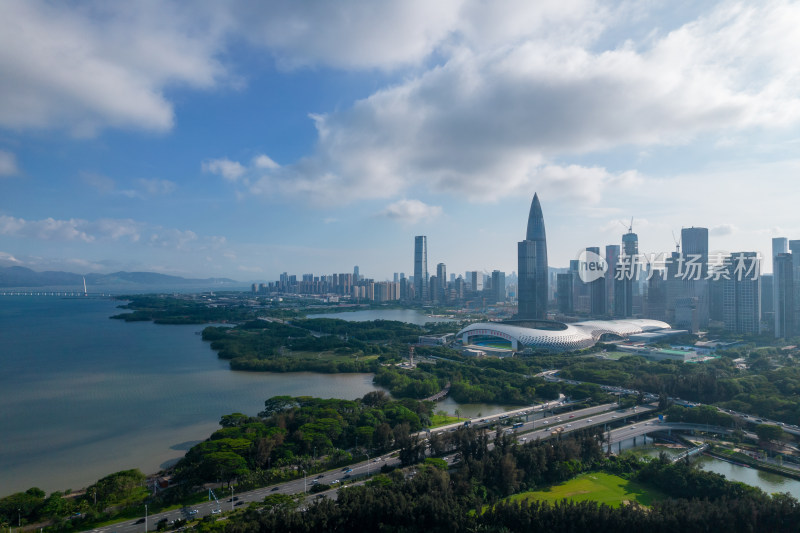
x=517 y=335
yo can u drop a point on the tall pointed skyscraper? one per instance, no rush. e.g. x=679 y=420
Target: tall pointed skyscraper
x=532 y=267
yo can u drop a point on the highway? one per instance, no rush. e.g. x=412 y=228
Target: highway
x=530 y=430
x=601 y=413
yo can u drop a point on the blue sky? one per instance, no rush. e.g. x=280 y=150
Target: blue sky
x=244 y=139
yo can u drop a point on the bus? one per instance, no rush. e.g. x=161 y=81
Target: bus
x=517 y=425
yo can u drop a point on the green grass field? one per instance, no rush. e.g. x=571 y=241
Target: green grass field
x=329 y=355
x=598 y=487
x=443 y=420
x=614 y=355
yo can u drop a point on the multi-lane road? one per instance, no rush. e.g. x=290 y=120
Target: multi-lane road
x=529 y=430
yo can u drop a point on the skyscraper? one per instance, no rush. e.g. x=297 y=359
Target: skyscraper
x=441 y=283
x=532 y=266
x=626 y=278
x=612 y=257
x=694 y=242
x=741 y=302
x=794 y=248
x=564 y=296
x=421 y=268
x=780 y=245
x=783 y=277
x=499 y=285
x=597 y=291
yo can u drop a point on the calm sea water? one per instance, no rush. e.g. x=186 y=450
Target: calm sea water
x=84 y=396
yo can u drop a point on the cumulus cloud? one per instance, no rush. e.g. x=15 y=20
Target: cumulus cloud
x=108 y=230
x=230 y=170
x=350 y=34
x=8 y=164
x=411 y=211
x=495 y=116
x=98 y=64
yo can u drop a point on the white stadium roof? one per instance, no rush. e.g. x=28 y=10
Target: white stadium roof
x=559 y=336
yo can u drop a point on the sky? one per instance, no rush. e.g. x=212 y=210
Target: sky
x=243 y=139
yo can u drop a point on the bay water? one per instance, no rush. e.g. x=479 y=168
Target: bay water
x=84 y=396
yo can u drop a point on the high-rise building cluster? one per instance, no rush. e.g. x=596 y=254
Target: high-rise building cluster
x=349 y=285
x=687 y=288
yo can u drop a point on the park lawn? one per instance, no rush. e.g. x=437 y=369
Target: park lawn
x=598 y=487
x=329 y=355
x=614 y=355
x=443 y=420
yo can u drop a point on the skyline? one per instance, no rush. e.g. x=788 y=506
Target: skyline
x=244 y=140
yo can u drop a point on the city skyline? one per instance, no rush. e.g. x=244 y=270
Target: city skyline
x=244 y=140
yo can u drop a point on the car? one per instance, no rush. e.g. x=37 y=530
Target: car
x=320 y=476
x=613 y=416
x=633 y=427
x=572 y=416
x=140 y=521
x=315 y=482
x=347 y=476
x=239 y=503
x=216 y=511
x=193 y=512
x=273 y=489
x=568 y=426
x=348 y=470
x=334 y=481
x=589 y=421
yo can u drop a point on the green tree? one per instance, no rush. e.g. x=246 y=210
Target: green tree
x=769 y=433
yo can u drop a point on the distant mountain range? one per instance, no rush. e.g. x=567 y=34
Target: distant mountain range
x=25 y=277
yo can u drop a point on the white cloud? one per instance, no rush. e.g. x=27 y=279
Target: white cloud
x=99 y=65
x=411 y=211
x=109 y=231
x=495 y=116
x=47 y=229
x=352 y=34
x=8 y=164
x=8 y=259
x=230 y=170
x=264 y=161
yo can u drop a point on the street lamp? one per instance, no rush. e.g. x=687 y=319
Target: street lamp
x=367 y=463
x=304 y=481
x=231 y=497
x=145 y=518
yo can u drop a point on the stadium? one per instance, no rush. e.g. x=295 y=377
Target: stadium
x=518 y=335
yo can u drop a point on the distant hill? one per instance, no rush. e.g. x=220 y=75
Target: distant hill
x=25 y=277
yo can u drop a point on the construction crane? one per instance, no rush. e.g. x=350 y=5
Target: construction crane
x=628 y=227
x=677 y=243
